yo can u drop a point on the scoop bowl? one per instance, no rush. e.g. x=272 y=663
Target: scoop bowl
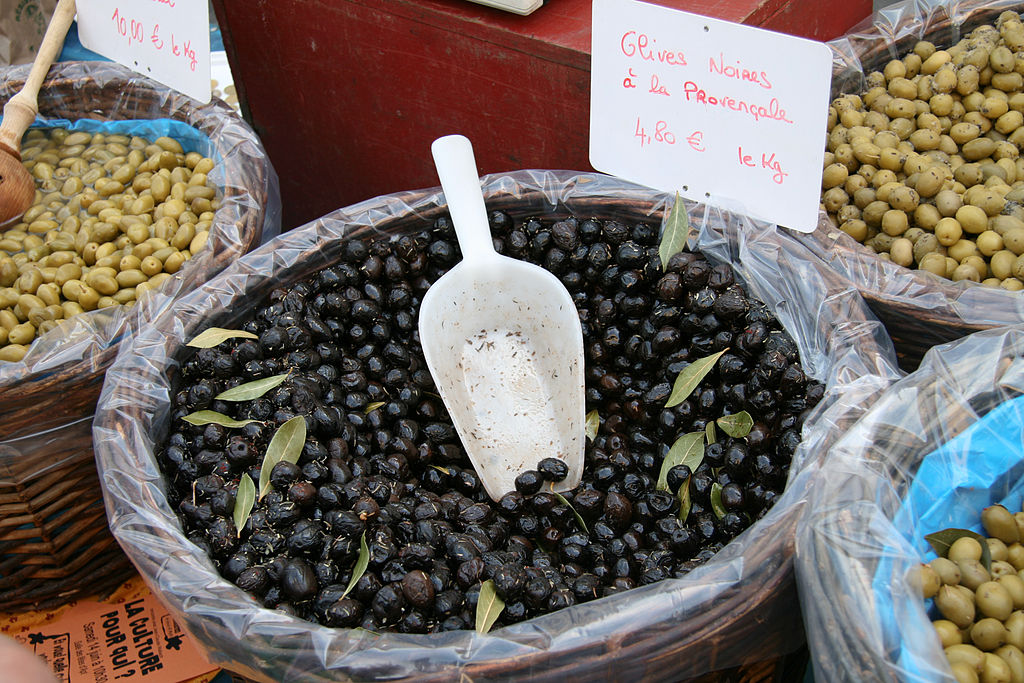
x=503 y=343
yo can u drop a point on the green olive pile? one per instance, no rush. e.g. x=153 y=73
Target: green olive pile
x=924 y=167
x=114 y=216
x=981 y=610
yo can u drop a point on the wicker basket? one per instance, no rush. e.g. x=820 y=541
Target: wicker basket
x=54 y=539
x=919 y=310
x=743 y=633
x=854 y=549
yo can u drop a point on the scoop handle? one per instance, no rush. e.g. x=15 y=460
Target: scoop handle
x=20 y=111
x=456 y=167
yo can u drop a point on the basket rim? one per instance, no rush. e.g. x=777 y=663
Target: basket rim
x=317 y=238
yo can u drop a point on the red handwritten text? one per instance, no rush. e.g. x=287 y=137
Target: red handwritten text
x=697 y=141
x=635 y=44
x=169 y=3
x=768 y=161
x=134 y=32
x=656 y=87
x=773 y=111
x=661 y=134
x=729 y=71
x=628 y=82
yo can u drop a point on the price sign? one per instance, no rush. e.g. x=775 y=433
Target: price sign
x=719 y=112
x=166 y=40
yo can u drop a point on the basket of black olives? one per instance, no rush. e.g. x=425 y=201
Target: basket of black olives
x=139 y=189
x=923 y=183
x=916 y=536
x=281 y=470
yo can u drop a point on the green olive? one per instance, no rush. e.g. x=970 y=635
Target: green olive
x=993 y=600
x=966 y=654
x=988 y=634
x=964 y=548
x=953 y=606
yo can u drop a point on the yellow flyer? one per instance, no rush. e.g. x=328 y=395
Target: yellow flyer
x=95 y=642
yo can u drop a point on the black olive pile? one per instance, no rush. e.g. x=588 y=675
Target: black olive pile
x=382 y=462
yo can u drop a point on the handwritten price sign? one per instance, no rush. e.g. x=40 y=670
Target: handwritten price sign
x=166 y=40
x=717 y=111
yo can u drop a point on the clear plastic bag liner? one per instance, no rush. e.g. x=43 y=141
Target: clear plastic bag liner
x=938 y=446
x=106 y=97
x=890 y=34
x=839 y=342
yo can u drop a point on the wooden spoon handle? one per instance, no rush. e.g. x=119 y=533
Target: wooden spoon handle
x=20 y=111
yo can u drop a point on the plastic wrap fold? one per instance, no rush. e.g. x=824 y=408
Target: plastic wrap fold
x=737 y=609
x=59 y=379
x=940 y=445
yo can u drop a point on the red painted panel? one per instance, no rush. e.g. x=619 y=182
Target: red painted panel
x=347 y=95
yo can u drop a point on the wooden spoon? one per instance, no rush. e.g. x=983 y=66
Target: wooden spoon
x=17 y=186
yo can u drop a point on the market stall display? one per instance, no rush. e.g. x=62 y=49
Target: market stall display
x=729 y=609
x=936 y=452
x=922 y=167
x=54 y=540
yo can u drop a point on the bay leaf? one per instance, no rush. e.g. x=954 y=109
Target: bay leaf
x=737 y=426
x=286 y=444
x=684 y=500
x=488 y=607
x=359 y=630
x=212 y=336
x=690 y=376
x=370 y=407
x=206 y=417
x=562 y=499
x=709 y=432
x=716 y=500
x=362 y=562
x=677 y=230
x=251 y=390
x=593 y=423
x=687 y=450
x=245 y=498
x=940 y=541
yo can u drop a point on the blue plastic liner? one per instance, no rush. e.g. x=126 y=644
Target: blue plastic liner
x=191 y=139
x=982 y=466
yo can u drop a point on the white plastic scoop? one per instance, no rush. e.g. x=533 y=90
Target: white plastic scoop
x=504 y=345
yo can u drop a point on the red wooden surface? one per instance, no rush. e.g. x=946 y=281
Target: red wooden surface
x=347 y=95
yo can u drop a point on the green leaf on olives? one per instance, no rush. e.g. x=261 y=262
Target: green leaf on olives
x=251 y=390
x=716 y=500
x=244 y=500
x=442 y=470
x=593 y=423
x=687 y=450
x=677 y=232
x=709 y=433
x=684 y=500
x=359 y=630
x=212 y=336
x=562 y=499
x=940 y=541
x=690 y=376
x=737 y=426
x=362 y=562
x=370 y=407
x=286 y=444
x=488 y=607
x=205 y=417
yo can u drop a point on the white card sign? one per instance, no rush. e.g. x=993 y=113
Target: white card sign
x=166 y=40
x=719 y=112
